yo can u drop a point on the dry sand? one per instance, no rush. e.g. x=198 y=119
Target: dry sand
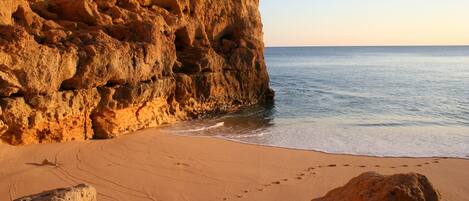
x=151 y=165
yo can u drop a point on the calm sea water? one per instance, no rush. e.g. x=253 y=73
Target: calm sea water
x=379 y=101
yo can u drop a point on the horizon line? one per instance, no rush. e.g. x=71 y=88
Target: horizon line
x=300 y=46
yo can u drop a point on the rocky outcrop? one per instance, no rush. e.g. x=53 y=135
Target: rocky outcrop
x=75 y=70
x=81 y=192
x=375 y=187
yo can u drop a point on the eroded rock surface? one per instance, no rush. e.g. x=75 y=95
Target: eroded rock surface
x=74 y=70
x=375 y=187
x=81 y=192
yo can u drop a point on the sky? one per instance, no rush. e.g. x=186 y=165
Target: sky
x=365 y=22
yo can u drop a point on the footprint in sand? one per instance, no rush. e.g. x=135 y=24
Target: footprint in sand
x=299 y=176
x=310 y=169
x=346 y=165
x=182 y=164
x=332 y=165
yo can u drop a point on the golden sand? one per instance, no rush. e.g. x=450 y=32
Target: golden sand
x=151 y=165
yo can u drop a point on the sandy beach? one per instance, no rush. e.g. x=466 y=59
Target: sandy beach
x=151 y=165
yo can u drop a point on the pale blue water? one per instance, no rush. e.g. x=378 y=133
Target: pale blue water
x=380 y=101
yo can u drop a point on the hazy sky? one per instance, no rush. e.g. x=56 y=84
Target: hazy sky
x=365 y=22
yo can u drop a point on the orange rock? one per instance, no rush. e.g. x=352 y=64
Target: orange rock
x=56 y=117
x=133 y=63
x=375 y=187
x=81 y=192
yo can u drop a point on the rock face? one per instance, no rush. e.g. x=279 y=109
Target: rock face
x=80 y=69
x=80 y=192
x=375 y=187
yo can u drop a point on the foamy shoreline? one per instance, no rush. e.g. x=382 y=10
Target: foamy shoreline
x=214 y=126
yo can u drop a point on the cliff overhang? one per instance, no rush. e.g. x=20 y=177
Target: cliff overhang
x=82 y=69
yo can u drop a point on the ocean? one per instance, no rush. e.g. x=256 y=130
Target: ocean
x=374 y=101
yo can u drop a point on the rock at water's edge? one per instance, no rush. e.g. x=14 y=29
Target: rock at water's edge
x=372 y=186
x=81 y=192
x=75 y=70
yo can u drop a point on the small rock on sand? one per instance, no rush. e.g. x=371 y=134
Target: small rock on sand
x=81 y=192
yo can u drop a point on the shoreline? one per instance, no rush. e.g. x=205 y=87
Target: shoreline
x=265 y=146
x=164 y=166
x=317 y=151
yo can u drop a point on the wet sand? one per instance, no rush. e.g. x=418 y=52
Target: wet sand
x=151 y=165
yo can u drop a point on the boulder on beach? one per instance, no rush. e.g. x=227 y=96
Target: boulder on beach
x=372 y=186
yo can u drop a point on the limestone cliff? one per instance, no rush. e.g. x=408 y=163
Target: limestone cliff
x=81 y=69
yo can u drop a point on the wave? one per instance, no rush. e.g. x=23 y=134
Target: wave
x=204 y=128
x=242 y=136
x=382 y=124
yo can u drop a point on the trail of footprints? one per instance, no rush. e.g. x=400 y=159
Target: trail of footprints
x=311 y=172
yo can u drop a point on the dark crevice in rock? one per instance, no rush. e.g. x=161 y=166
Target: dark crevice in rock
x=186 y=11
x=186 y=68
x=66 y=87
x=14 y=95
x=112 y=84
x=17 y=17
x=167 y=8
x=40 y=39
x=182 y=40
x=225 y=42
x=188 y=57
x=154 y=78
